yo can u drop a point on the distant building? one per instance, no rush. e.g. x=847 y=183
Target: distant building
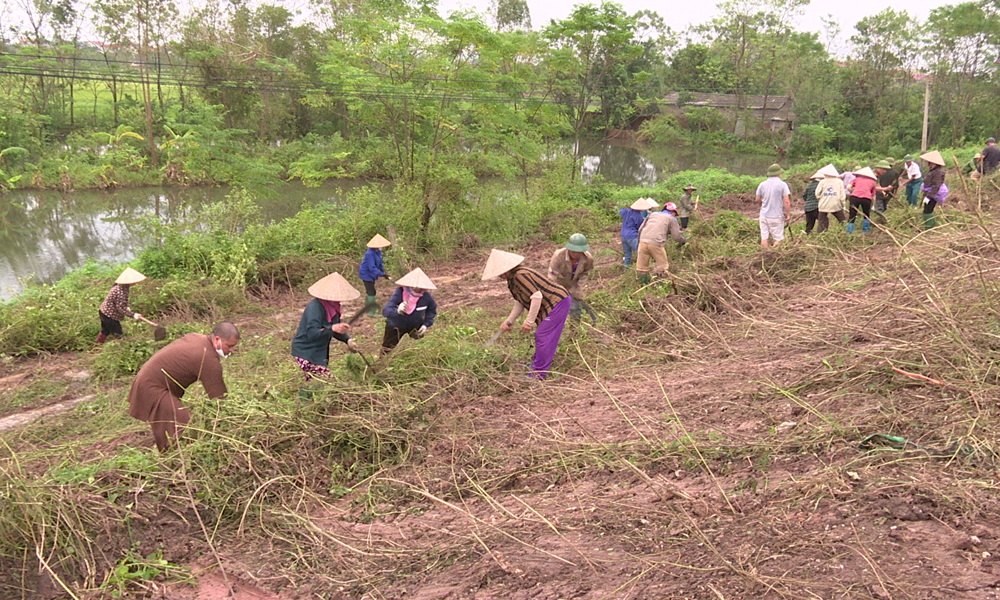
x=775 y=112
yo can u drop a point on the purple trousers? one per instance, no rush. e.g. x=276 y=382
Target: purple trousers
x=547 y=336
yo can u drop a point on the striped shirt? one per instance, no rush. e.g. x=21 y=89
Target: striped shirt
x=524 y=282
x=115 y=305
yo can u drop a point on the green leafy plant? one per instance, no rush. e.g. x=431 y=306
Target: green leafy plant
x=134 y=568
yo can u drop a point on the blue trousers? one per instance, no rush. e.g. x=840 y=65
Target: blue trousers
x=631 y=248
x=913 y=191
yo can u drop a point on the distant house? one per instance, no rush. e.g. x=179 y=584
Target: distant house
x=773 y=111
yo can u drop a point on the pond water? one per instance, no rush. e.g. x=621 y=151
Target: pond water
x=44 y=234
x=624 y=163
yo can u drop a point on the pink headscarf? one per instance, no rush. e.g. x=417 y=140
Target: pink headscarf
x=332 y=309
x=410 y=300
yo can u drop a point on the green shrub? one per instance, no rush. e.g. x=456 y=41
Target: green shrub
x=123 y=358
x=51 y=319
x=811 y=139
x=731 y=226
x=661 y=129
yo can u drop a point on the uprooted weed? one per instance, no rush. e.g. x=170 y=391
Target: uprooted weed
x=706 y=430
x=262 y=464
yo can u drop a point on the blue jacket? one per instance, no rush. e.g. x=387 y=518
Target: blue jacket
x=312 y=340
x=423 y=314
x=371 y=266
x=631 y=220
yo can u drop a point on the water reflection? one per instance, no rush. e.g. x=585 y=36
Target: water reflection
x=627 y=163
x=620 y=164
x=44 y=234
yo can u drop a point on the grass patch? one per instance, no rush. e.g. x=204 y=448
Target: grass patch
x=726 y=401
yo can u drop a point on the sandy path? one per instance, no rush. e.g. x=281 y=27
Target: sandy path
x=23 y=418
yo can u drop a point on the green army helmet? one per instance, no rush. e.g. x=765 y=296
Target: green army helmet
x=577 y=243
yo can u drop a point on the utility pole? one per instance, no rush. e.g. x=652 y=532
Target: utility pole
x=927 y=106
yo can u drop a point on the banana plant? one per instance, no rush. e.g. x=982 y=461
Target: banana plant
x=120 y=134
x=7 y=181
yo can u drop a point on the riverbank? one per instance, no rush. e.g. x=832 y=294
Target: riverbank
x=704 y=436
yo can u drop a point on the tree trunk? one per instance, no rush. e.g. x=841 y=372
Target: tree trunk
x=159 y=81
x=147 y=92
x=114 y=98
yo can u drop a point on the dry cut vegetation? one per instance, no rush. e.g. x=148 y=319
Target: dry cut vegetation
x=817 y=421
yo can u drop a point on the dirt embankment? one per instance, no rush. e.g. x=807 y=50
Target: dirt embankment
x=702 y=442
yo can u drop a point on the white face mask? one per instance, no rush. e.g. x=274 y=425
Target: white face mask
x=221 y=353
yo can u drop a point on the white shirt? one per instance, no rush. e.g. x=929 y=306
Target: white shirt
x=913 y=171
x=771 y=193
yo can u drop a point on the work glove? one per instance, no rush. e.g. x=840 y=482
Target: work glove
x=926 y=199
x=401 y=309
x=352 y=346
x=419 y=333
x=137 y=316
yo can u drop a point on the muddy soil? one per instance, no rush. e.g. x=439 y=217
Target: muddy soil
x=756 y=487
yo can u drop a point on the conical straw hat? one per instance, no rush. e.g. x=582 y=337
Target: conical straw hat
x=818 y=175
x=378 y=242
x=933 y=157
x=334 y=288
x=866 y=172
x=500 y=262
x=130 y=276
x=829 y=171
x=651 y=204
x=417 y=279
x=640 y=204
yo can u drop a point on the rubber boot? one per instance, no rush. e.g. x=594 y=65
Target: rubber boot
x=850 y=227
x=373 y=311
x=928 y=220
x=101 y=338
x=644 y=278
x=865 y=225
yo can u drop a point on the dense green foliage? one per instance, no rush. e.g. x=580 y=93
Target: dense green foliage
x=243 y=95
x=211 y=261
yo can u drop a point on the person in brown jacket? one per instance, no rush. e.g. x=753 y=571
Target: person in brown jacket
x=156 y=393
x=569 y=266
x=653 y=236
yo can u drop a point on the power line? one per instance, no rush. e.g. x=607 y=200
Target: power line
x=355 y=85
x=360 y=92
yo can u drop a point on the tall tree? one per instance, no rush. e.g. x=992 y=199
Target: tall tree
x=696 y=68
x=110 y=20
x=750 y=36
x=431 y=93
x=511 y=15
x=965 y=43
x=879 y=78
x=591 y=59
